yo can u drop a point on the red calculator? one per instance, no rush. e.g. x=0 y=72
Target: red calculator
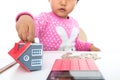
x=75 y=69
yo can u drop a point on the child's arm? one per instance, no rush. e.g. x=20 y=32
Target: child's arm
x=85 y=46
x=94 y=48
x=25 y=27
x=82 y=41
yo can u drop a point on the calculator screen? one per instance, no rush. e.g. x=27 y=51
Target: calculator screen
x=75 y=75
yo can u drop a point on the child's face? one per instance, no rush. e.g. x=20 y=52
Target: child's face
x=62 y=7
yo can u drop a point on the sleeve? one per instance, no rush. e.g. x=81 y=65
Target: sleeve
x=23 y=13
x=82 y=45
x=40 y=23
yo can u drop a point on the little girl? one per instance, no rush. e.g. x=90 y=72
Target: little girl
x=56 y=30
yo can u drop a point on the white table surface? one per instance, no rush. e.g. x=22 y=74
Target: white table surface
x=109 y=65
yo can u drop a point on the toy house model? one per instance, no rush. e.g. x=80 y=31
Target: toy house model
x=28 y=55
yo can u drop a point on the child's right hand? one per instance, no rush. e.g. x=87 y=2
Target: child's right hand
x=26 y=28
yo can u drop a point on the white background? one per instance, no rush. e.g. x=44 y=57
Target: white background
x=99 y=18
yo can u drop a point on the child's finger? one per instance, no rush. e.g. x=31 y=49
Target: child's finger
x=24 y=37
x=30 y=38
x=31 y=33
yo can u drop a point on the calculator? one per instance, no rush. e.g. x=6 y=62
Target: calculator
x=75 y=69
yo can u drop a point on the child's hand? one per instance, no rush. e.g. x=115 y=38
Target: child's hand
x=26 y=28
x=93 y=48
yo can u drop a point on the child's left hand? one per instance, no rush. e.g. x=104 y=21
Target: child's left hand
x=93 y=48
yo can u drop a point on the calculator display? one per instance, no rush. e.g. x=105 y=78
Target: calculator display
x=75 y=75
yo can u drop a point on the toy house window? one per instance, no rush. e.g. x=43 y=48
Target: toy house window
x=36 y=62
x=36 y=52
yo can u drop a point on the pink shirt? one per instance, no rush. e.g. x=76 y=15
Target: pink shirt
x=56 y=33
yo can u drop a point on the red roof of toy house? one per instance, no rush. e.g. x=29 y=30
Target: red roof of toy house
x=16 y=53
